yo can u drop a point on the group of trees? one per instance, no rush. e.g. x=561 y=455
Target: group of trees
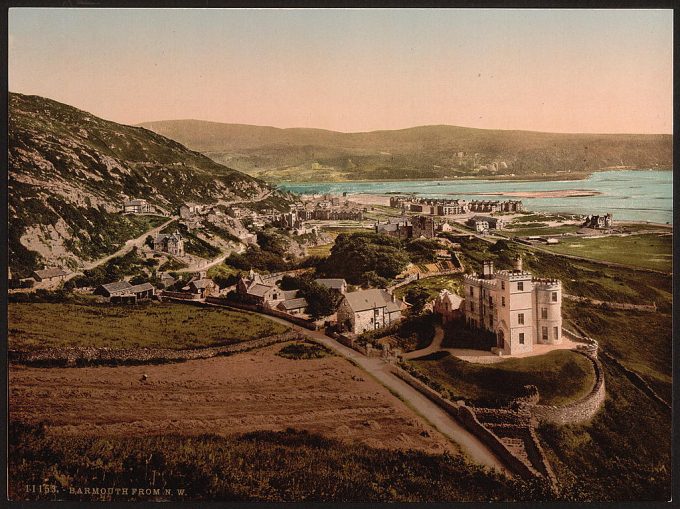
x=361 y=257
x=321 y=301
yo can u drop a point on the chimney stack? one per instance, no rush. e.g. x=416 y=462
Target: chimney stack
x=487 y=269
x=518 y=263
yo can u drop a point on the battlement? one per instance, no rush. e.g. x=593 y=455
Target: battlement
x=514 y=275
x=546 y=283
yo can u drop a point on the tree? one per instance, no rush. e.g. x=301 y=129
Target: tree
x=149 y=241
x=417 y=297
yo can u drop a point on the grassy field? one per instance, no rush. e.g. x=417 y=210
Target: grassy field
x=500 y=382
x=640 y=340
x=649 y=251
x=433 y=285
x=264 y=466
x=528 y=230
x=42 y=325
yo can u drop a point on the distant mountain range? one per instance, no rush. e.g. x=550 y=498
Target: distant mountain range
x=438 y=151
x=70 y=172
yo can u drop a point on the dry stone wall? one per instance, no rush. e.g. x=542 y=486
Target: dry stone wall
x=88 y=356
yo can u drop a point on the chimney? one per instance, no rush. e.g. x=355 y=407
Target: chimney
x=487 y=269
x=518 y=263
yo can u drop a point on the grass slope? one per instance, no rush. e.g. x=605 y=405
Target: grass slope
x=500 y=382
x=160 y=325
x=260 y=466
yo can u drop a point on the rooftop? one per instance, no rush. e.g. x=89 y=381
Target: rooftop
x=371 y=299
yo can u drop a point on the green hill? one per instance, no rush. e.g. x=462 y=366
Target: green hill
x=70 y=172
x=419 y=152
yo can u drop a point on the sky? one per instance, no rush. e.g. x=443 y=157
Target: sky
x=598 y=71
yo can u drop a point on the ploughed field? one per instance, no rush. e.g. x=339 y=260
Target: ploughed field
x=252 y=391
x=152 y=325
x=561 y=376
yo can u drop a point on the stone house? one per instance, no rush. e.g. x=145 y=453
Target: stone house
x=449 y=306
x=136 y=206
x=481 y=223
x=297 y=306
x=171 y=243
x=123 y=291
x=598 y=221
x=518 y=308
x=366 y=310
x=189 y=209
x=204 y=287
x=49 y=275
x=253 y=289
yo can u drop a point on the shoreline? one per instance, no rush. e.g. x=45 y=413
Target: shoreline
x=562 y=177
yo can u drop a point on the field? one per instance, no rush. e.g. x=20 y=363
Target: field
x=649 y=251
x=500 y=382
x=528 y=229
x=161 y=325
x=247 y=392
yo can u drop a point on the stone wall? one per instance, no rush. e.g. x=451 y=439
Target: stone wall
x=220 y=301
x=88 y=356
x=578 y=411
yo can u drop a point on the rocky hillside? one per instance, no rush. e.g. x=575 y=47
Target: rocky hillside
x=70 y=172
x=419 y=152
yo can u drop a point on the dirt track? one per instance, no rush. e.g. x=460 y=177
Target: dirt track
x=224 y=395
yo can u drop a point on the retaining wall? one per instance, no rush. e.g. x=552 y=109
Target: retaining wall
x=583 y=409
x=87 y=356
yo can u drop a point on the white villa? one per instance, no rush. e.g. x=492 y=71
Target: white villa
x=520 y=309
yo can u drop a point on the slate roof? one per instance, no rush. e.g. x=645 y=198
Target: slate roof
x=364 y=300
x=259 y=289
x=295 y=303
x=332 y=283
x=201 y=283
x=48 y=273
x=289 y=294
x=118 y=286
x=144 y=287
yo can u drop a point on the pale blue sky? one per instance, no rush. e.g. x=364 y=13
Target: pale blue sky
x=349 y=70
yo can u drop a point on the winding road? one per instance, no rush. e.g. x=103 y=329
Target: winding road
x=378 y=368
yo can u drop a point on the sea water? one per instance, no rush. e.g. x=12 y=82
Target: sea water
x=632 y=195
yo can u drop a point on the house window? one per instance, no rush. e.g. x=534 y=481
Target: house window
x=520 y=286
x=472 y=306
x=520 y=318
x=556 y=332
x=502 y=285
x=554 y=296
x=503 y=301
x=544 y=333
x=472 y=291
x=490 y=300
x=521 y=338
x=544 y=313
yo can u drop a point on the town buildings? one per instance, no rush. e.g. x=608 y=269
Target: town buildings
x=189 y=209
x=598 y=222
x=171 y=243
x=519 y=309
x=484 y=223
x=366 y=310
x=443 y=207
x=125 y=292
x=407 y=228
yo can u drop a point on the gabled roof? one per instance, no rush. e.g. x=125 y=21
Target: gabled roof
x=295 y=303
x=48 y=273
x=370 y=299
x=454 y=299
x=290 y=294
x=201 y=283
x=118 y=286
x=333 y=283
x=144 y=287
x=259 y=290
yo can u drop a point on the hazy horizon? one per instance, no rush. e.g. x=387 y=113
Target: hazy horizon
x=351 y=70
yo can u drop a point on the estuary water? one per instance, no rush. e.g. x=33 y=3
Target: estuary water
x=641 y=195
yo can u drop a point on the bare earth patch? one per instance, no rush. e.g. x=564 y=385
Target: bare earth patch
x=223 y=395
